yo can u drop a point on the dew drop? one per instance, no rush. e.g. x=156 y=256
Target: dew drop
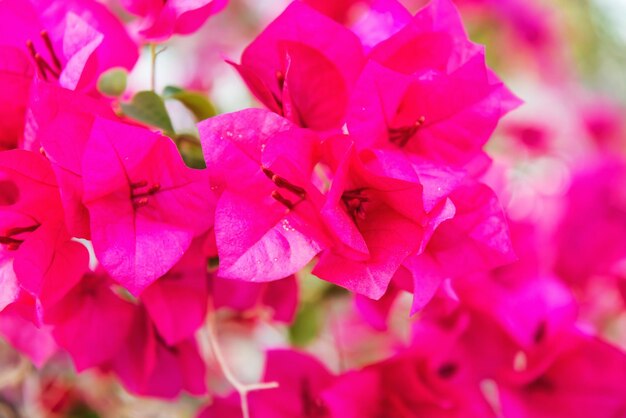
x=287 y=226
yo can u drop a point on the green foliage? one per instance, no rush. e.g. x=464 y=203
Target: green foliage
x=112 y=83
x=191 y=150
x=82 y=411
x=148 y=107
x=197 y=103
x=307 y=325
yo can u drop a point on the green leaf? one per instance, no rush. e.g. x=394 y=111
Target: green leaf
x=112 y=83
x=195 y=102
x=149 y=108
x=307 y=325
x=191 y=150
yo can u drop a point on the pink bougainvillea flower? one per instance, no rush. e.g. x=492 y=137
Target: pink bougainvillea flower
x=469 y=235
x=301 y=379
x=177 y=302
x=376 y=215
x=371 y=20
x=50 y=264
x=303 y=66
x=16 y=74
x=581 y=376
x=421 y=382
x=549 y=307
x=472 y=339
x=60 y=123
x=437 y=32
x=433 y=114
x=476 y=239
x=83 y=321
x=69 y=41
x=590 y=236
x=148 y=366
x=36 y=254
x=145 y=205
x=260 y=165
x=162 y=19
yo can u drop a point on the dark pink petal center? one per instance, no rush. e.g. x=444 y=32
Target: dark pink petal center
x=286 y=185
x=141 y=191
x=45 y=68
x=355 y=200
x=14 y=237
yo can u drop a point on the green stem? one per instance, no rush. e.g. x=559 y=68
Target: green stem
x=153 y=56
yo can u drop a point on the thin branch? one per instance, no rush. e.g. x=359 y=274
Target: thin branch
x=153 y=57
x=241 y=388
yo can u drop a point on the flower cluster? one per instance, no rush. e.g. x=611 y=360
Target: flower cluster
x=366 y=168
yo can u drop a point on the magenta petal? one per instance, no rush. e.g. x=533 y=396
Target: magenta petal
x=176 y=368
x=302 y=66
x=145 y=205
x=49 y=264
x=477 y=238
x=300 y=23
x=438 y=180
x=456 y=128
x=192 y=15
x=383 y=19
x=376 y=312
x=222 y=408
x=390 y=239
x=260 y=243
x=148 y=367
x=62 y=121
x=587 y=379
x=36 y=343
x=177 y=302
x=373 y=104
x=314 y=87
x=427 y=277
x=84 y=322
x=258 y=87
x=16 y=74
x=174 y=17
x=80 y=41
x=116 y=48
x=233 y=144
x=137 y=358
x=437 y=32
x=280 y=296
x=301 y=379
